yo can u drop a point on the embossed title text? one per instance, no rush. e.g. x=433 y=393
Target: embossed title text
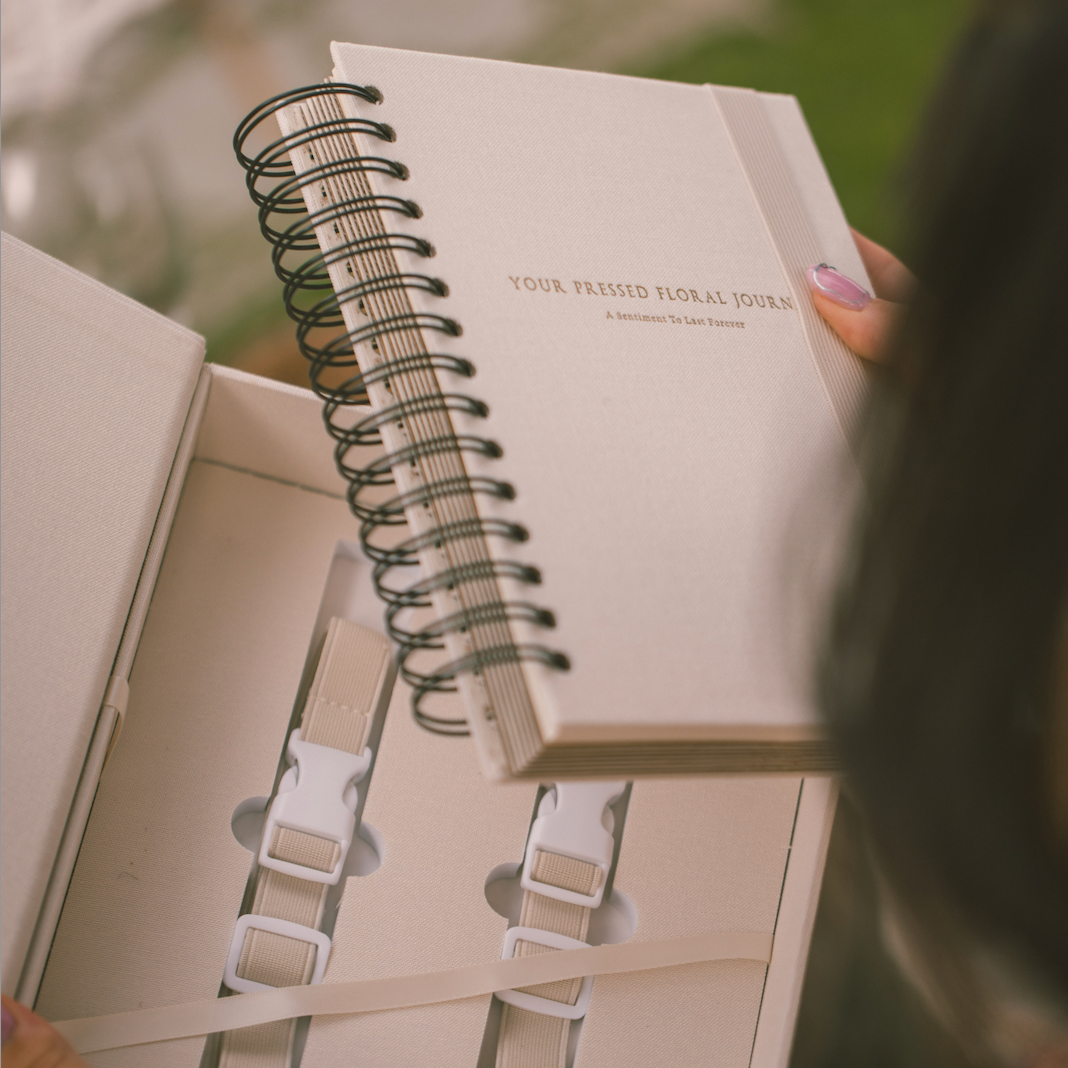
x=634 y=291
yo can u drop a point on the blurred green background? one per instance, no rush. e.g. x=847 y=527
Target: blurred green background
x=861 y=70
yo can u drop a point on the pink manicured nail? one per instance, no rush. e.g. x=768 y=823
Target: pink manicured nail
x=826 y=280
x=7 y=1025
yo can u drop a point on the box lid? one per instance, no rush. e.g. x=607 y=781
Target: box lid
x=94 y=391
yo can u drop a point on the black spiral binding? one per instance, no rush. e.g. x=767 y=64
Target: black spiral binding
x=310 y=300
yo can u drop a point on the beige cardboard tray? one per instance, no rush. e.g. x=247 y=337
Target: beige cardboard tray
x=252 y=569
x=253 y=550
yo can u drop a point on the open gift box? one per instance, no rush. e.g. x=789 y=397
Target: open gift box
x=177 y=541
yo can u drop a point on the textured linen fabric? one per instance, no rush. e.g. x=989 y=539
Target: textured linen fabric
x=94 y=390
x=353 y=667
x=565 y=872
x=297 y=847
x=538 y=1040
x=727 y=450
x=276 y=960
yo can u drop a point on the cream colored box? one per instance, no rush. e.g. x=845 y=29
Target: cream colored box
x=191 y=514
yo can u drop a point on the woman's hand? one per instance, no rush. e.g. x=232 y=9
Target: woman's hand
x=864 y=323
x=30 y=1042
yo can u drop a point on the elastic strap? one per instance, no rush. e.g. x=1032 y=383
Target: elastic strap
x=338 y=713
x=532 y=1039
x=375 y=995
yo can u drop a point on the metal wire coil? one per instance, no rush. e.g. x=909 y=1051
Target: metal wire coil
x=312 y=301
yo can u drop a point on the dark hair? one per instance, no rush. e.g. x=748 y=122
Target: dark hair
x=939 y=672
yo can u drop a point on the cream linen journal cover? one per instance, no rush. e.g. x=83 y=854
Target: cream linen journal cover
x=94 y=390
x=607 y=274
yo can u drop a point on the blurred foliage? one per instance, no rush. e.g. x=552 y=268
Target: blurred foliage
x=861 y=70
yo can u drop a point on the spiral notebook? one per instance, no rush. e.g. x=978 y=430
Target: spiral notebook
x=577 y=305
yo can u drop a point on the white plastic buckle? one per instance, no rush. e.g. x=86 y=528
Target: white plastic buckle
x=578 y=824
x=316 y=796
x=531 y=1002
x=279 y=927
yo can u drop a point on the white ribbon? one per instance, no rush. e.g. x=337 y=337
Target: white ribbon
x=402 y=991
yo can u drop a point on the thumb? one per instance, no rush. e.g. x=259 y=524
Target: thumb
x=30 y=1042
x=865 y=323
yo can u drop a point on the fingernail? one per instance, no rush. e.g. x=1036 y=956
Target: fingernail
x=826 y=280
x=7 y=1025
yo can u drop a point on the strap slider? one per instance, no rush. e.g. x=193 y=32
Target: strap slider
x=273 y=926
x=571 y=835
x=546 y=1006
x=316 y=798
